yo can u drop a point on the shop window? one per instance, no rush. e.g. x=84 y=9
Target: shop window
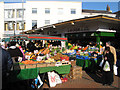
x=59 y=21
x=34 y=10
x=34 y=24
x=60 y=11
x=20 y=13
x=47 y=22
x=47 y=10
x=9 y=13
x=73 y=11
x=10 y=25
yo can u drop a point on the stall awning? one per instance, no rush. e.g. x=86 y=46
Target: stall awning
x=37 y=37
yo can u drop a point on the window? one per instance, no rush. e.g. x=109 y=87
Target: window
x=20 y=13
x=10 y=25
x=34 y=10
x=59 y=21
x=47 y=10
x=47 y=22
x=73 y=11
x=9 y=13
x=60 y=11
x=21 y=25
x=34 y=24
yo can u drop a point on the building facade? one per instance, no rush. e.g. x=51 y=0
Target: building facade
x=29 y=15
x=1 y=19
x=14 y=18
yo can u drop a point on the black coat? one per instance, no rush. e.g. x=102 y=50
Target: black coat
x=110 y=59
x=6 y=61
x=15 y=52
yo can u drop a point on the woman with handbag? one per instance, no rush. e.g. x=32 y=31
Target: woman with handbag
x=108 y=67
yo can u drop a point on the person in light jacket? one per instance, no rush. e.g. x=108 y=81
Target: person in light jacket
x=113 y=51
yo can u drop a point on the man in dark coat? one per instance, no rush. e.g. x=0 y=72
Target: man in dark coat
x=7 y=63
x=14 y=52
x=108 y=75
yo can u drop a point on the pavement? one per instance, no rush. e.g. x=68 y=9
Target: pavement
x=88 y=80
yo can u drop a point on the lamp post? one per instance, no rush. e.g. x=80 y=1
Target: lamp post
x=22 y=15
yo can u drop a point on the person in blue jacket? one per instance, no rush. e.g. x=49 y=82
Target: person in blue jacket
x=7 y=63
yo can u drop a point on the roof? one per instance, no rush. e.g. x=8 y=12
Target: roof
x=96 y=11
x=116 y=12
x=97 y=18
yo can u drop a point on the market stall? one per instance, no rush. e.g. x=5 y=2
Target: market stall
x=44 y=39
x=32 y=73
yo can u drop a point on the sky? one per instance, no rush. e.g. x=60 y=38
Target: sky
x=87 y=4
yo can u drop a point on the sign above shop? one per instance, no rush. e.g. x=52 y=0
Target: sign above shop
x=77 y=29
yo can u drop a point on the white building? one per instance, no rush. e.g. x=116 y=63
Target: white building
x=1 y=19
x=38 y=14
x=14 y=18
x=29 y=15
x=50 y=12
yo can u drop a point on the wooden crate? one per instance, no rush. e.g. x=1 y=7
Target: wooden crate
x=41 y=65
x=18 y=67
x=50 y=64
x=73 y=63
x=75 y=72
x=30 y=66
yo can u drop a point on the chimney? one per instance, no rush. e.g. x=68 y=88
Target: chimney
x=108 y=9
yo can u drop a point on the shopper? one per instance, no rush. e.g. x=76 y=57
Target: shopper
x=113 y=51
x=14 y=51
x=7 y=62
x=108 y=74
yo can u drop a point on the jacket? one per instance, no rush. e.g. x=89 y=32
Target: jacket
x=110 y=59
x=113 y=51
x=6 y=61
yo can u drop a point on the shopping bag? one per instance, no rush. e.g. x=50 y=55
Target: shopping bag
x=106 y=66
x=101 y=63
x=37 y=83
x=57 y=79
x=115 y=69
x=52 y=80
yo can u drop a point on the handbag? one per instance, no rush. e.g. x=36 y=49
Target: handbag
x=106 y=66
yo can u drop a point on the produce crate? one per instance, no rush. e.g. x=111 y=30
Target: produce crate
x=50 y=64
x=75 y=72
x=41 y=65
x=18 y=66
x=73 y=63
x=31 y=66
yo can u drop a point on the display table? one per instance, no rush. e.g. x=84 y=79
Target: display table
x=83 y=63
x=32 y=73
x=88 y=63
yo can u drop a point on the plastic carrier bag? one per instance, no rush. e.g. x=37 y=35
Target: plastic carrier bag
x=106 y=66
x=115 y=69
x=37 y=83
x=101 y=63
x=54 y=79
